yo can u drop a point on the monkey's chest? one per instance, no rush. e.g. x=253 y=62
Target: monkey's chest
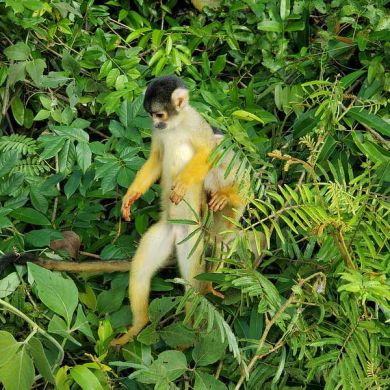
x=177 y=154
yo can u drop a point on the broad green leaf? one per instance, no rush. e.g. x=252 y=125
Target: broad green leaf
x=270 y=25
x=18 y=52
x=169 y=366
x=284 y=9
x=7 y=286
x=41 y=361
x=70 y=64
x=350 y=78
x=203 y=355
x=219 y=65
x=38 y=200
x=81 y=324
x=42 y=237
x=85 y=378
x=42 y=115
x=18 y=372
x=84 y=155
x=29 y=215
x=17 y=108
x=205 y=381
x=110 y=300
x=371 y=120
x=16 y=72
x=35 y=70
x=176 y=335
x=56 y=292
x=53 y=144
x=8 y=346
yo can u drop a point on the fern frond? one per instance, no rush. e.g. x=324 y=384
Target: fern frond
x=31 y=166
x=18 y=143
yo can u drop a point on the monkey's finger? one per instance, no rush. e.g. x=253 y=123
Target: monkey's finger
x=221 y=203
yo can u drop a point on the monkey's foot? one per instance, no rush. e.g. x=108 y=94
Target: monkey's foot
x=179 y=189
x=210 y=289
x=128 y=336
x=218 y=201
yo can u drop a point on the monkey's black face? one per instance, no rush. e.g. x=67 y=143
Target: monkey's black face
x=164 y=99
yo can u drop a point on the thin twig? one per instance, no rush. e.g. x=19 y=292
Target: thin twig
x=35 y=327
x=267 y=329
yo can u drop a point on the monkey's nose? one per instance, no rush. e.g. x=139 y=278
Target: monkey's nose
x=160 y=125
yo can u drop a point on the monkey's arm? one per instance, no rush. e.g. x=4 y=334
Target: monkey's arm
x=194 y=172
x=144 y=179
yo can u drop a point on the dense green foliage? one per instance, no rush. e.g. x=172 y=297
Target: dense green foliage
x=301 y=91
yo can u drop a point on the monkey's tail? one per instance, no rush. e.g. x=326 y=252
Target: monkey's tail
x=68 y=266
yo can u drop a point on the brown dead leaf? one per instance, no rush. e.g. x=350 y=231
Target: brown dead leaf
x=71 y=243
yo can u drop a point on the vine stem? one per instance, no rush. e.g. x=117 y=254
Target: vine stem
x=267 y=329
x=36 y=328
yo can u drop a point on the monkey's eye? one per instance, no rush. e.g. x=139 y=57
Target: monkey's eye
x=160 y=115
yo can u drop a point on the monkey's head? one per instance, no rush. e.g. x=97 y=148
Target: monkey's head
x=165 y=98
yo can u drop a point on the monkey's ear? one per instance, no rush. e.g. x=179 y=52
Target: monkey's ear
x=180 y=98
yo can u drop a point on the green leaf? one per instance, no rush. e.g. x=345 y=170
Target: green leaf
x=17 y=108
x=203 y=355
x=176 y=335
x=85 y=378
x=18 y=52
x=18 y=372
x=350 y=78
x=56 y=292
x=110 y=300
x=305 y=123
x=270 y=25
x=40 y=359
x=284 y=9
x=28 y=215
x=39 y=200
x=84 y=155
x=42 y=237
x=219 y=65
x=205 y=381
x=7 y=286
x=113 y=74
x=371 y=120
x=70 y=65
x=42 y=115
x=8 y=160
x=16 y=72
x=53 y=145
x=247 y=116
x=8 y=347
x=169 y=366
x=35 y=70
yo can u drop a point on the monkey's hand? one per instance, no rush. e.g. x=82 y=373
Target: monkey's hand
x=179 y=189
x=128 y=200
x=218 y=201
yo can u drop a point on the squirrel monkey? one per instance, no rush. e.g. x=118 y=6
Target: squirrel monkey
x=181 y=144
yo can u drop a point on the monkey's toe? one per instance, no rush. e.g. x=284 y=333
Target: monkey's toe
x=125 y=338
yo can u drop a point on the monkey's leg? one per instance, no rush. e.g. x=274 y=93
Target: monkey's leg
x=193 y=265
x=152 y=253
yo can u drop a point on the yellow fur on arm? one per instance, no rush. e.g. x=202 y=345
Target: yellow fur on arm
x=197 y=168
x=149 y=172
